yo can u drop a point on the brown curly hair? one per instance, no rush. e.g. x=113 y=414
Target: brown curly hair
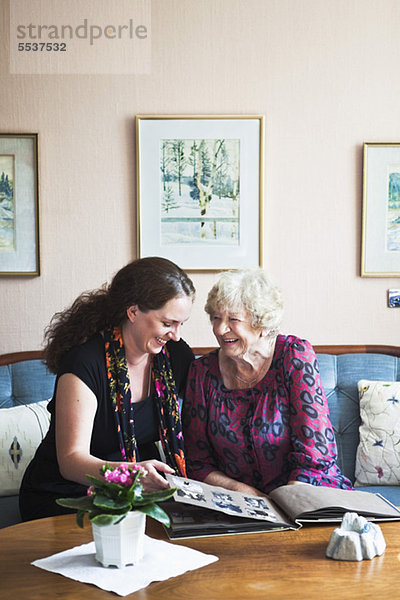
x=148 y=282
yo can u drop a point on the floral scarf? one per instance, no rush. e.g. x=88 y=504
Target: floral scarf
x=165 y=396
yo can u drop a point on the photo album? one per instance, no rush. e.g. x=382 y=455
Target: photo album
x=199 y=509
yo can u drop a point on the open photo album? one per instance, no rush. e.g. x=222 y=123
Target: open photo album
x=199 y=509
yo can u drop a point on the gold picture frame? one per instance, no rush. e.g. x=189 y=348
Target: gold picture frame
x=19 y=205
x=380 y=245
x=200 y=189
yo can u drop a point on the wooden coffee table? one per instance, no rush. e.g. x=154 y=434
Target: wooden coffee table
x=284 y=565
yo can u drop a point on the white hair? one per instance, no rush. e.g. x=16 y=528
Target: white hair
x=251 y=290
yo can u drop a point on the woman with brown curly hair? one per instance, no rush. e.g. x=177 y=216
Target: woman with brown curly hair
x=120 y=366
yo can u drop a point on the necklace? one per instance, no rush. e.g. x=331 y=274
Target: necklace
x=246 y=381
x=251 y=381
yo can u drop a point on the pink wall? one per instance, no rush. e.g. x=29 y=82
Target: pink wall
x=325 y=75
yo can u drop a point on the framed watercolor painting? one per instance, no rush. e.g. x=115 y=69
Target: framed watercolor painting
x=380 y=248
x=199 y=190
x=19 y=205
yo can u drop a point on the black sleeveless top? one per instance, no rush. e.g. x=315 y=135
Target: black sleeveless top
x=42 y=482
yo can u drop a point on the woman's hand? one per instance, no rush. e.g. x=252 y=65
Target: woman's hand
x=152 y=480
x=248 y=490
x=221 y=480
x=295 y=482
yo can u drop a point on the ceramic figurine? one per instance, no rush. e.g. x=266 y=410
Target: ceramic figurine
x=356 y=539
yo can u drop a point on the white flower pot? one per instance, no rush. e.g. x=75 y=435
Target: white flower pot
x=122 y=544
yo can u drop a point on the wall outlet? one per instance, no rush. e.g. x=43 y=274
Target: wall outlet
x=394 y=298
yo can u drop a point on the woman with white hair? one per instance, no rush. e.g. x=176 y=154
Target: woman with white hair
x=255 y=415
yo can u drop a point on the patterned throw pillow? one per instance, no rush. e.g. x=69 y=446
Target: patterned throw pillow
x=22 y=428
x=378 y=454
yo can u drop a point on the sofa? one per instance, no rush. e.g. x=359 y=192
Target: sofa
x=25 y=389
x=26 y=386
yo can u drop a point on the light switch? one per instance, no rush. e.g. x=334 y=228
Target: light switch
x=394 y=298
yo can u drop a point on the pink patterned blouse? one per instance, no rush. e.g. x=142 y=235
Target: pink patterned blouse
x=264 y=436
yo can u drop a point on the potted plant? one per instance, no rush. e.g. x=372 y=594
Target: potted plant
x=117 y=507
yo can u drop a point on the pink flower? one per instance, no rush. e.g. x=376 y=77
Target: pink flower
x=124 y=474
x=112 y=476
x=139 y=468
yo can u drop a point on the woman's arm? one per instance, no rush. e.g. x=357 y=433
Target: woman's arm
x=200 y=460
x=314 y=450
x=220 y=479
x=76 y=407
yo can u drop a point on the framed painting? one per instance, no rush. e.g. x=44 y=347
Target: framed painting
x=380 y=248
x=19 y=205
x=199 y=190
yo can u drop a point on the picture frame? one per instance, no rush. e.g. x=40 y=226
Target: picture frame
x=19 y=204
x=380 y=247
x=200 y=190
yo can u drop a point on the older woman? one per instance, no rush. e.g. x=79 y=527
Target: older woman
x=255 y=413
